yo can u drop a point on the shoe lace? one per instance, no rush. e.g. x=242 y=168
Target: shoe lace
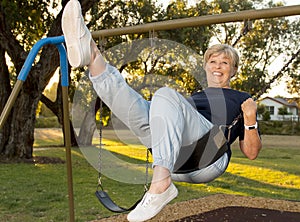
x=147 y=200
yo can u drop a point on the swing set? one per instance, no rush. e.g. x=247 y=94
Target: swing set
x=164 y=25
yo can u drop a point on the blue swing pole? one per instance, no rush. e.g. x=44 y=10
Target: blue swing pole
x=66 y=120
x=58 y=42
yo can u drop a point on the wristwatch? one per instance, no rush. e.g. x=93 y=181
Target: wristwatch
x=251 y=127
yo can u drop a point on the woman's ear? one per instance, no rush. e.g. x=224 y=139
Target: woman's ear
x=234 y=72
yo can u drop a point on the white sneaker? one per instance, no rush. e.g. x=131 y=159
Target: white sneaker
x=152 y=204
x=77 y=36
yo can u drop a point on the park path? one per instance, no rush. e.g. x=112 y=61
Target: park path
x=269 y=141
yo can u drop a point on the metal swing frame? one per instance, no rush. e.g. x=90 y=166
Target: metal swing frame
x=58 y=42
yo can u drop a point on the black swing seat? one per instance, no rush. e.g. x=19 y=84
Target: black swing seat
x=204 y=152
x=109 y=204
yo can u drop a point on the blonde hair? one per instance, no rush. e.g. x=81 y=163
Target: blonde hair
x=228 y=50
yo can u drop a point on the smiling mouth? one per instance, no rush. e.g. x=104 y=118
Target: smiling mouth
x=217 y=74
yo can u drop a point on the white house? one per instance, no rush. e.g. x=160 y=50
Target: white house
x=273 y=105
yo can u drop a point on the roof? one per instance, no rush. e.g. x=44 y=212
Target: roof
x=283 y=101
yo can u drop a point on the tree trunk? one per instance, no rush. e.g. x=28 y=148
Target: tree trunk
x=5 y=91
x=21 y=136
x=23 y=115
x=87 y=130
x=88 y=125
x=57 y=108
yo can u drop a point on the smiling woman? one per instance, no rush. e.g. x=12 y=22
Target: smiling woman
x=220 y=63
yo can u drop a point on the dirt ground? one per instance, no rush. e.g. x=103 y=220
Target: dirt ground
x=225 y=208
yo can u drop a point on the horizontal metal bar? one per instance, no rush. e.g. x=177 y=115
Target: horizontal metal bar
x=201 y=20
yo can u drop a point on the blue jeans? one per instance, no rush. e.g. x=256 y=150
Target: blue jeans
x=165 y=124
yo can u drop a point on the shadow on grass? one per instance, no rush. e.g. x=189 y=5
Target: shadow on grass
x=228 y=183
x=237 y=184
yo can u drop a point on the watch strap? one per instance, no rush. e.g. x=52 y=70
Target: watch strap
x=251 y=127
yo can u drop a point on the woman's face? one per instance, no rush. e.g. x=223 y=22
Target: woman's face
x=219 y=71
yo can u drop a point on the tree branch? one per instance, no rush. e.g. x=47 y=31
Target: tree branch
x=10 y=44
x=279 y=74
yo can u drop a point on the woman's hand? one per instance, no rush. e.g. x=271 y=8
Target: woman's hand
x=249 y=109
x=251 y=144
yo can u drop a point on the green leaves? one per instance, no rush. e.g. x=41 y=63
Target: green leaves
x=28 y=20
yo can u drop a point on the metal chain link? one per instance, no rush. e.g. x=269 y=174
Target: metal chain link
x=147 y=171
x=101 y=46
x=100 y=145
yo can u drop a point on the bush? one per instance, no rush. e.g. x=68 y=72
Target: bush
x=266 y=116
x=279 y=127
x=47 y=122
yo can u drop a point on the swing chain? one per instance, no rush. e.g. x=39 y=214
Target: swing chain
x=152 y=37
x=101 y=43
x=228 y=127
x=147 y=171
x=99 y=183
x=100 y=145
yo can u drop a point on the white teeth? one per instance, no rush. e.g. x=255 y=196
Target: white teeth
x=217 y=73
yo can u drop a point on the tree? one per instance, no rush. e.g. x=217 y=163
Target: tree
x=22 y=23
x=261 y=109
x=266 y=116
x=263 y=112
x=293 y=68
x=283 y=111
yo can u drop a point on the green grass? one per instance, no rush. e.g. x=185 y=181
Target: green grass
x=38 y=192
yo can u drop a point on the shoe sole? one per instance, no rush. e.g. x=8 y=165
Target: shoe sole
x=71 y=24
